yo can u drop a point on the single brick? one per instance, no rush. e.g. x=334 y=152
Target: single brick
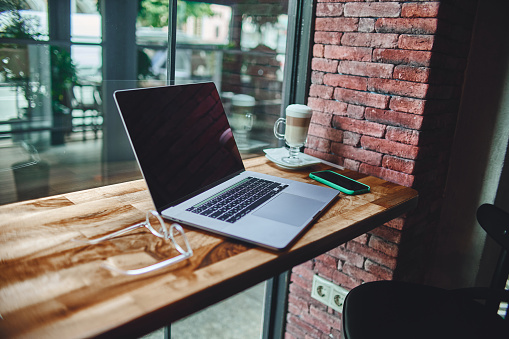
x=336 y=24
x=321 y=91
x=389 y=147
x=329 y=9
x=345 y=81
x=368 y=69
x=359 y=154
x=420 y=10
x=397 y=57
x=318 y=50
x=408 y=105
x=372 y=9
x=328 y=38
x=398 y=164
x=397 y=87
x=406 y=25
x=416 y=42
x=403 y=135
x=361 y=98
x=325 y=65
x=377 y=40
x=411 y=73
x=347 y=53
x=359 y=126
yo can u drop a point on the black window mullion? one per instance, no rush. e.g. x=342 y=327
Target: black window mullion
x=172 y=42
x=59 y=21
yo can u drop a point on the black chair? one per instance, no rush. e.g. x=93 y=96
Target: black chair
x=391 y=309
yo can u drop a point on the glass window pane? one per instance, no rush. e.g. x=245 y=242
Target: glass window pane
x=88 y=62
x=51 y=123
x=24 y=19
x=241 y=47
x=86 y=22
x=152 y=41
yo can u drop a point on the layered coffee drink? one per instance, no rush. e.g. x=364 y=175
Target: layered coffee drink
x=298 y=118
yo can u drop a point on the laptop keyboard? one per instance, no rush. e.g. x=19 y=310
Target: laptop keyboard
x=238 y=200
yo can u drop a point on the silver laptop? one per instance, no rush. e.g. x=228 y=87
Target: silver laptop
x=193 y=169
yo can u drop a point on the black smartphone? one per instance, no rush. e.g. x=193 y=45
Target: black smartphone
x=339 y=182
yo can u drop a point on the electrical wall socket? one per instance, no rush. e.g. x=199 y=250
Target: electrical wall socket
x=321 y=289
x=337 y=297
x=328 y=293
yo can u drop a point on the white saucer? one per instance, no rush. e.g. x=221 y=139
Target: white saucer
x=276 y=154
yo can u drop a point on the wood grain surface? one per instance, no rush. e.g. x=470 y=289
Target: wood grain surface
x=54 y=287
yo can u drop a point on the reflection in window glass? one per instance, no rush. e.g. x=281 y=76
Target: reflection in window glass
x=85 y=22
x=152 y=39
x=52 y=94
x=88 y=62
x=241 y=47
x=24 y=19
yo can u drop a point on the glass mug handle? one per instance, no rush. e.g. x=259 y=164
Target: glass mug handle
x=249 y=125
x=276 y=128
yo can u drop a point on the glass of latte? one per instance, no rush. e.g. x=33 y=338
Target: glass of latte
x=296 y=124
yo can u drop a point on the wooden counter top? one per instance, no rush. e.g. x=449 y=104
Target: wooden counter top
x=53 y=287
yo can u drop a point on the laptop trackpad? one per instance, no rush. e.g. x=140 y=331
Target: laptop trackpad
x=290 y=209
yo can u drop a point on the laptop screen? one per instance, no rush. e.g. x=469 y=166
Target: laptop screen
x=181 y=138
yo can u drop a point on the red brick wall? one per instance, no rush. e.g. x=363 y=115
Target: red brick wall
x=386 y=81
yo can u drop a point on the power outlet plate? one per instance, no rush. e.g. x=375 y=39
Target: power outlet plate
x=328 y=293
x=337 y=298
x=321 y=289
